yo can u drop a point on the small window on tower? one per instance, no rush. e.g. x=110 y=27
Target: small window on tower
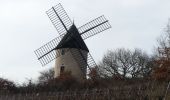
x=62 y=68
x=62 y=52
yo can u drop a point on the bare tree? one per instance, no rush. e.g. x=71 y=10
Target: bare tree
x=93 y=73
x=6 y=85
x=164 y=39
x=46 y=75
x=163 y=55
x=125 y=63
x=142 y=64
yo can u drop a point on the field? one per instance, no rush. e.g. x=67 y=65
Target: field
x=144 y=91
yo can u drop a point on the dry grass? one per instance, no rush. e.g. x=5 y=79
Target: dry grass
x=145 y=91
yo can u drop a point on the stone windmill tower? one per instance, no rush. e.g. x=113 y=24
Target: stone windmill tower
x=69 y=49
x=66 y=62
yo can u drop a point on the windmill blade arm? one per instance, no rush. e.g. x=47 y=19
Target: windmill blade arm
x=94 y=27
x=59 y=18
x=84 y=60
x=47 y=58
x=91 y=61
x=46 y=52
x=50 y=57
x=80 y=58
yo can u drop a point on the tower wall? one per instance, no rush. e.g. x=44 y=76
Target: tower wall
x=72 y=63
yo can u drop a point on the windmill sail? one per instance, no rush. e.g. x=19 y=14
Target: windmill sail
x=84 y=61
x=47 y=52
x=94 y=27
x=80 y=58
x=59 y=18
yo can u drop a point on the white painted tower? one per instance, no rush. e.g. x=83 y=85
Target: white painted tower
x=73 y=55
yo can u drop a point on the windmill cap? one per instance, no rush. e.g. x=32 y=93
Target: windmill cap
x=72 y=40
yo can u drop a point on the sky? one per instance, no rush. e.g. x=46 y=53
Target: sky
x=24 y=27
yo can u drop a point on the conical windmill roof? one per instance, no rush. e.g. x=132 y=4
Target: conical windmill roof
x=72 y=40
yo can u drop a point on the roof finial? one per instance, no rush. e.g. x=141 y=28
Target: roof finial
x=73 y=21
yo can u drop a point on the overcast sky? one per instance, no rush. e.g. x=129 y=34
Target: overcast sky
x=24 y=27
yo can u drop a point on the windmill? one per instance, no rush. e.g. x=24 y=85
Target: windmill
x=69 y=49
